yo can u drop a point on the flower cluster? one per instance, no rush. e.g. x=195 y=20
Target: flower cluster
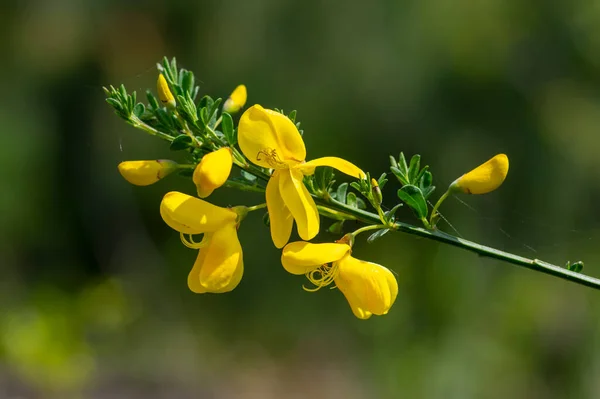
x=270 y=145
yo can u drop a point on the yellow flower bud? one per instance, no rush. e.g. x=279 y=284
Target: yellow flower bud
x=484 y=178
x=376 y=191
x=212 y=171
x=144 y=173
x=236 y=100
x=164 y=93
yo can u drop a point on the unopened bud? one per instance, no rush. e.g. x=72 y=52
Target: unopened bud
x=484 y=178
x=164 y=93
x=376 y=191
x=236 y=100
x=144 y=173
x=213 y=171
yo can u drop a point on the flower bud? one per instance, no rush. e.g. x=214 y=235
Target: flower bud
x=164 y=93
x=236 y=100
x=212 y=171
x=144 y=173
x=376 y=191
x=484 y=178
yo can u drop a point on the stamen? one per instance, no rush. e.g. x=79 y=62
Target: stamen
x=270 y=156
x=321 y=277
x=193 y=244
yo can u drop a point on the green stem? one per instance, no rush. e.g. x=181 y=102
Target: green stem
x=136 y=122
x=482 y=250
x=256 y=207
x=437 y=205
x=368 y=228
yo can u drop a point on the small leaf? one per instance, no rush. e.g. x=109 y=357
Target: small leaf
x=323 y=176
x=402 y=166
x=398 y=173
x=181 y=142
x=292 y=116
x=152 y=101
x=413 y=197
x=576 y=267
x=266 y=219
x=425 y=184
x=389 y=215
x=355 y=186
x=139 y=109
x=337 y=227
x=227 y=126
x=114 y=102
x=340 y=194
x=414 y=168
x=360 y=204
x=393 y=162
x=351 y=200
x=187 y=82
x=377 y=234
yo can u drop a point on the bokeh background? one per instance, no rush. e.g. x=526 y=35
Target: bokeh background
x=93 y=296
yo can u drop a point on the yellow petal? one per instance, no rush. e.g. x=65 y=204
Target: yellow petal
x=280 y=218
x=484 y=178
x=354 y=303
x=144 y=173
x=212 y=171
x=223 y=267
x=236 y=100
x=367 y=286
x=164 y=93
x=302 y=257
x=190 y=215
x=298 y=200
x=340 y=164
x=269 y=139
x=194 y=275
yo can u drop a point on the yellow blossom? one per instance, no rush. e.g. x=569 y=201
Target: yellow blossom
x=164 y=93
x=219 y=265
x=271 y=140
x=212 y=171
x=236 y=100
x=144 y=173
x=484 y=178
x=369 y=288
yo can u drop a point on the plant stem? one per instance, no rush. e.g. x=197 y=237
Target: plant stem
x=482 y=250
x=256 y=207
x=136 y=122
x=437 y=205
x=367 y=228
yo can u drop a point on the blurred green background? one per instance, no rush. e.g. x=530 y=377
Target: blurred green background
x=93 y=295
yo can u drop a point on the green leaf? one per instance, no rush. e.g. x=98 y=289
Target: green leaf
x=576 y=267
x=360 y=204
x=323 y=177
x=164 y=118
x=425 y=184
x=377 y=234
x=266 y=219
x=355 y=186
x=115 y=103
x=228 y=130
x=337 y=227
x=292 y=116
x=152 y=101
x=402 y=166
x=187 y=82
x=389 y=215
x=340 y=194
x=139 y=109
x=181 y=142
x=414 y=168
x=413 y=197
x=351 y=200
x=393 y=162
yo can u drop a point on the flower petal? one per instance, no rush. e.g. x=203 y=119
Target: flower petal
x=340 y=164
x=223 y=266
x=298 y=200
x=302 y=257
x=194 y=275
x=368 y=287
x=236 y=100
x=269 y=139
x=280 y=218
x=190 y=215
x=212 y=171
x=354 y=303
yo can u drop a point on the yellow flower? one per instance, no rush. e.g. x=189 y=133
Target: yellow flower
x=219 y=265
x=212 y=171
x=236 y=100
x=164 y=93
x=484 y=178
x=271 y=140
x=144 y=173
x=369 y=288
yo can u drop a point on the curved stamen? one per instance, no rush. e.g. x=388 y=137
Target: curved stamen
x=321 y=277
x=270 y=156
x=193 y=244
